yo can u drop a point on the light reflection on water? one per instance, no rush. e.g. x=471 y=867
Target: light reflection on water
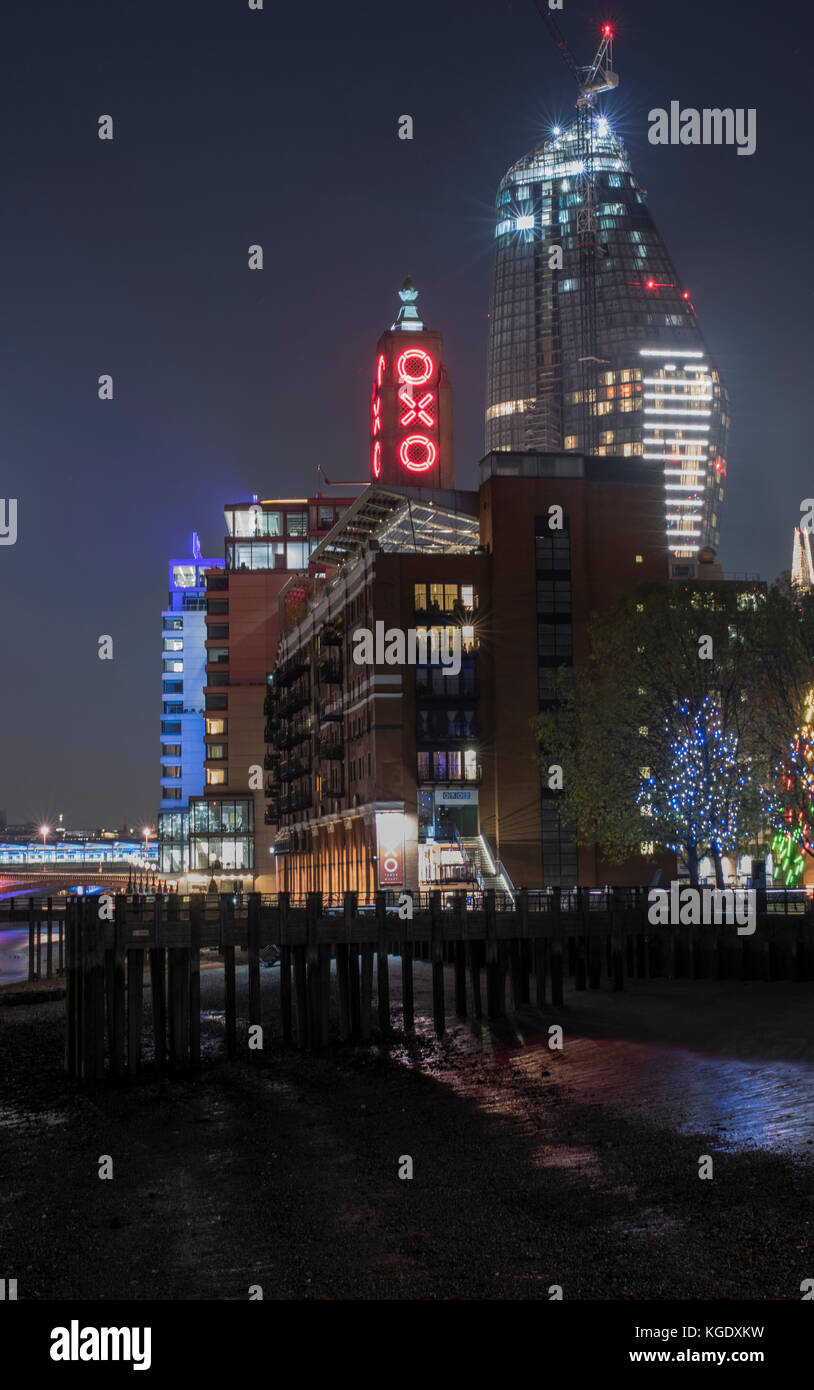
x=767 y=1104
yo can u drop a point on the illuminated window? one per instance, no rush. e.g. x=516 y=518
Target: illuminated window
x=644 y=772
x=643 y=730
x=436 y=596
x=420 y=595
x=639 y=559
x=217 y=751
x=468 y=595
x=215 y=776
x=173 y=644
x=216 y=726
x=470 y=764
x=570 y=441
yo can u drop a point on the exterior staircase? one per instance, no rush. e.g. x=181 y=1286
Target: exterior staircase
x=489 y=871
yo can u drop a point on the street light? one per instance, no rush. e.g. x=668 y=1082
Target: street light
x=44 y=829
x=146 y=832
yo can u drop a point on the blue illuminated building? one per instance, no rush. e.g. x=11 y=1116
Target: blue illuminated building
x=182 y=703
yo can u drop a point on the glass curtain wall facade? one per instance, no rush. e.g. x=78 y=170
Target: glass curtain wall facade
x=183 y=661
x=656 y=393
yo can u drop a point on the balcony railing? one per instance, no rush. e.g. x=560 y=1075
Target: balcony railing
x=446 y=687
x=471 y=779
x=331 y=749
x=329 y=672
x=294 y=768
x=290 y=672
x=297 y=700
x=289 y=735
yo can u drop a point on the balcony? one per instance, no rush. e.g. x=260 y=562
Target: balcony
x=431 y=779
x=294 y=768
x=332 y=713
x=290 y=672
x=297 y=700
x=329 y=671
x=289 y=735
x=443 y=733
x=292 y=802
x=331 y=749
x=453 y=688
x=270 y=762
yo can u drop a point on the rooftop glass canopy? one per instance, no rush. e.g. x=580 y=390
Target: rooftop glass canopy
x=403 y=519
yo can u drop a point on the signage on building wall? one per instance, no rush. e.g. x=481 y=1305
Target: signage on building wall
x=445 y=797
x=390 y=834
x=404 y=412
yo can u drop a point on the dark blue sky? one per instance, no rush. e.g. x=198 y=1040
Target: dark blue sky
x=279 y=126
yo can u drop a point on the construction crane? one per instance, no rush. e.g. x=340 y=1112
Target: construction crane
x=592 y=80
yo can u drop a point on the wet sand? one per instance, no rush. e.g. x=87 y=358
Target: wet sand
x=532 y=1167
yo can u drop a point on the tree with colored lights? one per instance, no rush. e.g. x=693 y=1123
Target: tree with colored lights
x=658 y=737
x=785 y=710
x=704 y=791
x=790 y=802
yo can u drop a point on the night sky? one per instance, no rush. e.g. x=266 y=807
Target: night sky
x=279 y=127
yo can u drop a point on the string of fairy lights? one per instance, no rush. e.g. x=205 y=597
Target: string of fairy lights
x=790 y=846
x=699 y=798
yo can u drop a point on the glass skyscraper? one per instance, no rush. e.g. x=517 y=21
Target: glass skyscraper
x=645 y=385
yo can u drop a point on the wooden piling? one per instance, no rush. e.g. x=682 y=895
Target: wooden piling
x=313 y=964
x=158 y=988
x=285 y=970
x=197 y=911
x=32 y=967
x=227 y=941
x=71 y=1010
x=49 y=947
x=437 y=929
x=366 y=990
x=407 y=999
x=495 y=980
x=253 y=944
x=118 y=999
x=382 y=965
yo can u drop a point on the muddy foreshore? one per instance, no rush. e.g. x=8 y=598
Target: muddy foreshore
x=531 y=1167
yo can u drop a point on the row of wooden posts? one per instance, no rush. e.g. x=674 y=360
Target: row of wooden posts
x=533 y=951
